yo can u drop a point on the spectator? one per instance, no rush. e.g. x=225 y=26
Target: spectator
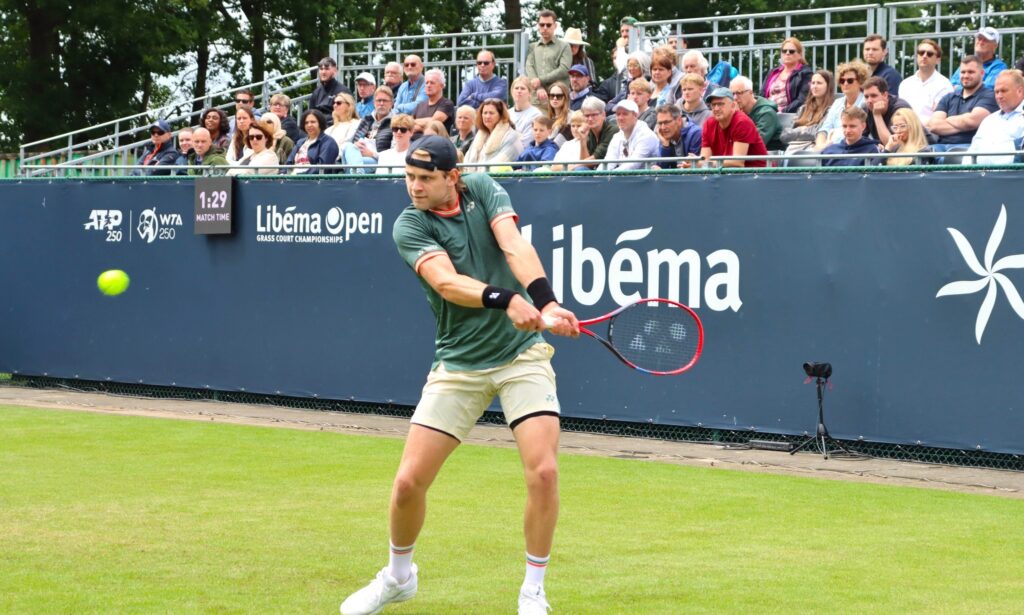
x=541 y=148
x=729 y=132
x=600 y=130
x=986 y=41
x=879 y=104
x=436 y=106
x=558 y=111
x=634 y=140
x=262 y=159
x=875 y=50
x=570 y=150
x=692 y=87
x=854 y=122
x=574 y=37
x=805 y=131
x=244 y=99
x=622 y=44
x=788 y=83
x=579 y=81
x=522 y=112
x=640 y=93
x=433 y=127
x=958 y=114
x=345 y=120
x=412 y=92
x=907 y=138
x=1020 y=64
x=184 y=146
x=485 y=85
x=393 y=160
x=322 y=98
x=549 y=58
x=205 y=154
x=496 y=139
x=373 y=133
x=392 y=77
x=852 y=76
x=762 y=111
x=237 y=150
x=665 y=75
x=694 y=63
x=281 y=106
x=463 y=137
x=638 y=65
x=924 y=89
x=281 y=142
x=315 y=148
x=1002 y=130
x=216 y=123
x=678 y=137
x=366 y=83
x=160 y=149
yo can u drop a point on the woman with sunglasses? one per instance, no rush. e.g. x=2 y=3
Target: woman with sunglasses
x=906 y=136
x=238 y=149
x=346 y=120
x=262 y=159
x=788 y=83
x=803 y=133
x=558 y=111
x=851 y=76
x=393 y=160
x=496 y=139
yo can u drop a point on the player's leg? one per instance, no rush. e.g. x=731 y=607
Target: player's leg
x=537 y=439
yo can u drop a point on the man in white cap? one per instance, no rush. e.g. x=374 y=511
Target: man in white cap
x=634 y=139
x=366 y=84
x=985 y=43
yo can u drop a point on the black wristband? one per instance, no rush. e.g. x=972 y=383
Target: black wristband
x=497 y=298
x=541 y=293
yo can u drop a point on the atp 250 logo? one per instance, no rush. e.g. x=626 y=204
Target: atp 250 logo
x=151 y=226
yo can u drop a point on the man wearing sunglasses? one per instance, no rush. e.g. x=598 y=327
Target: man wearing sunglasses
x=159 y=152
x=925 y=88
x=322 y=98
x=549 y=58
x=485 y=85
x=412 y=92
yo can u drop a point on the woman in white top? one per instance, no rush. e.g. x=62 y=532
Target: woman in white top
x=570 y=150
x=851 y=76
x=345 y=119
x=262 y=160
x=496 y=140
x=393 y=160
x=237 y=149
x=522 y=112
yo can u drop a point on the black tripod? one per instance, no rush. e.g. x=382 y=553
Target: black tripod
x=821 y=439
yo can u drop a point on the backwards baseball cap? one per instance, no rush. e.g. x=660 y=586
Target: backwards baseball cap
x=989 y=33
x=719 y=92
x=628 y=21
x=161 y=125
x=579 y=68
x=441 y=151
x=366 y=77
x=628 y=105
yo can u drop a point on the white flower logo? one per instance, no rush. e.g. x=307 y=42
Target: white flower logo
x=990 y=275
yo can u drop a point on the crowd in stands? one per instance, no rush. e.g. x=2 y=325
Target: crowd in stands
x=662 y=102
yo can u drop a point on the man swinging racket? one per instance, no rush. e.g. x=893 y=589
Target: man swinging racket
x=461 y=239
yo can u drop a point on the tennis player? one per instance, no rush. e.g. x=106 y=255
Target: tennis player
x=460 y=237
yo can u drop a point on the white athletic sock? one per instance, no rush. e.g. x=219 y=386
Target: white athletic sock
x=400 y=562
x=535 y=569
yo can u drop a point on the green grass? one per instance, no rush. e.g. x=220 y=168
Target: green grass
x=111 y=514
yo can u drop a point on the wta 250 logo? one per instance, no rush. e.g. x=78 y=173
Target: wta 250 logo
x=153 y=226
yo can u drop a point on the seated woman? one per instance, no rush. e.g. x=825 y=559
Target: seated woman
x=851 y=76
x=570 y=150
x=802 y=134
x=788 y=83
x=393 y=160
x=216 y=121
x=496 y=140
x=522 y=112
x=558 y=111
x=907 y=137
x=638 y=66
x=237 y=148
x=283 y=144
x=665 y=76
x=262 y=159
x=315 y=148
x=345 y=119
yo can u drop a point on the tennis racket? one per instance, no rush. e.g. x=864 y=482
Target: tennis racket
x=655 y=336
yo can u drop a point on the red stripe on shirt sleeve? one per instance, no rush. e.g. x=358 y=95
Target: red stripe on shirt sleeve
x=501 y=217
x=426 y=257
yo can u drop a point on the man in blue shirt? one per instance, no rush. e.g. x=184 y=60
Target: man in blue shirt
x=958 y=114
x=366 y=85
x=485 y=85
x=875 y=51
x=679 y=137
x=985 y=43
x=411 y=93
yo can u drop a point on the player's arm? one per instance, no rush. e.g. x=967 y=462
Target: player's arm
x=453 y=286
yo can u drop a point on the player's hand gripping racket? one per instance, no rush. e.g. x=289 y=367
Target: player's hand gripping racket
x=656 y=336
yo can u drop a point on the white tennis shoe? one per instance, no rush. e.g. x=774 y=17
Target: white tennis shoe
x=532 y=600
x=381 y=591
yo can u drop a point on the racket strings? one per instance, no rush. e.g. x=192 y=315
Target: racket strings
x=657 y=337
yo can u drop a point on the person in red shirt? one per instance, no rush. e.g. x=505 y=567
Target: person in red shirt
x=729 y=132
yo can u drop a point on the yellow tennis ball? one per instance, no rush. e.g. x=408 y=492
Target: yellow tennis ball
x=113 y=282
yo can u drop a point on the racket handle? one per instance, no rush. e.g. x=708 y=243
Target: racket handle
x=549 y=321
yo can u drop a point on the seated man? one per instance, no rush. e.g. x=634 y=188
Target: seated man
x=322 y=98
x=640 y=92
x=677 y=135
x=854 y=123
x=366 y=85
x=203 y=154
x=924 y=89
x=729 y=132
x=879 y=105
x=579 y=84
x=393 y=77
x=1002 y=130
x=373 y=134
x=465 y=117
x=159 y=152
x=436 y=106
x=411 y=93
x=957 y=116
x=485 y=85
x=764 y=112
x=542 y=147
x=986 y=41
x=599 y=130
x=693 y=107
x=634 y=139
